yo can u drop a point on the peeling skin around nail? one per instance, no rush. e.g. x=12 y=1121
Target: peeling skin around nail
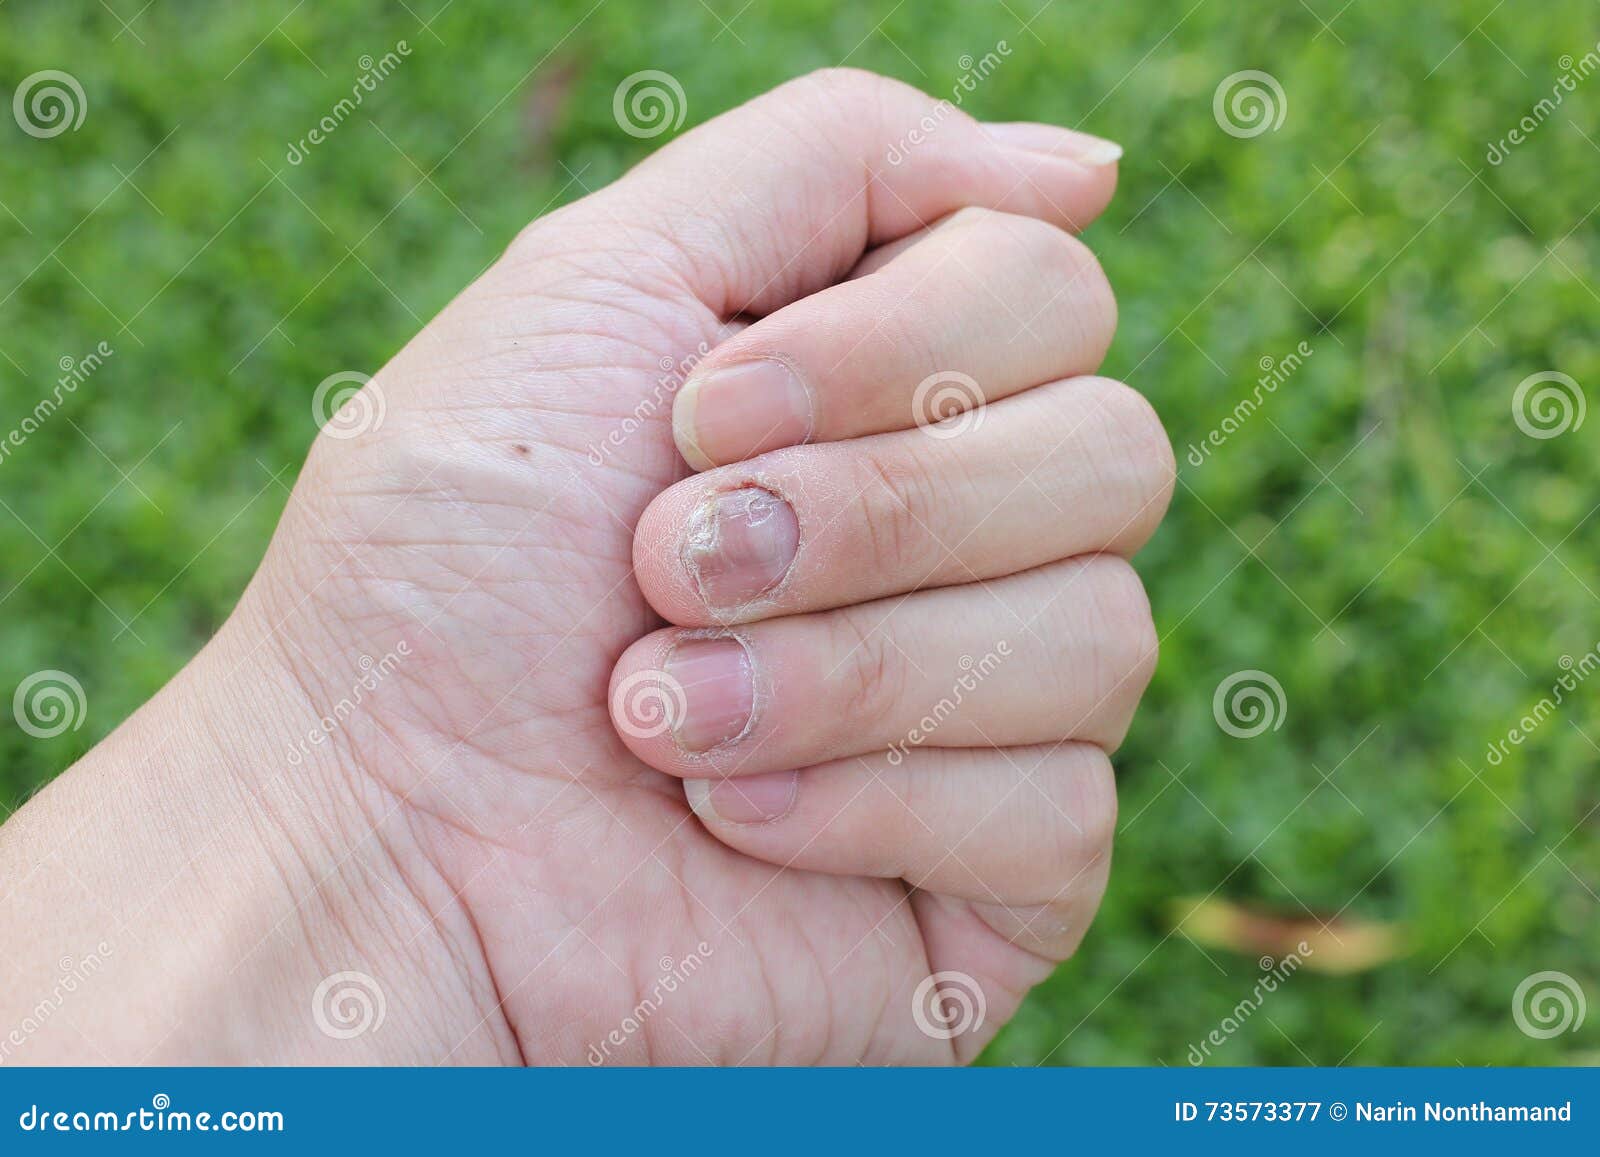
x=701 y=539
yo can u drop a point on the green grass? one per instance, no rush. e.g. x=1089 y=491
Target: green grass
x=1379 y=536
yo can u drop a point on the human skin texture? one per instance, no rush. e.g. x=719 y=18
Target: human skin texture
x=657 y=681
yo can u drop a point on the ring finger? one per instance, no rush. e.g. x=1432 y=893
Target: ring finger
x=1062 y=651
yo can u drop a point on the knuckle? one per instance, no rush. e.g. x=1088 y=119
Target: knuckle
x=1077 y=290
x=1090 y=295
x=1127 y=635
x=1138 y=428
x=1096 y=805
x=902 y=499
x=870 y=680
x=845 y=80
x=1079 y=815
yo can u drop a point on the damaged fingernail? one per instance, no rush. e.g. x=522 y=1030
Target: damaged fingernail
x=739 y=545
x=718 y=691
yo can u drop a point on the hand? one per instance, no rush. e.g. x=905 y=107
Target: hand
x=458 y=756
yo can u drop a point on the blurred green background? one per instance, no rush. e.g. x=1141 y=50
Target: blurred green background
x=1380 y=536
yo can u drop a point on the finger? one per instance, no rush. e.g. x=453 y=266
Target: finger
x=986 y=305
x=1073 y=467
x=1060 y=652
x=1029 y=827
x=780 y=197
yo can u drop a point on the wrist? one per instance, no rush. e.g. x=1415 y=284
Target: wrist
x=227 y=890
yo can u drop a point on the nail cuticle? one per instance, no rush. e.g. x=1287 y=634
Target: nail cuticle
x=749 y=675
x=739 y=546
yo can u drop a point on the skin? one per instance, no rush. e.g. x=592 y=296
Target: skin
x=489 y=830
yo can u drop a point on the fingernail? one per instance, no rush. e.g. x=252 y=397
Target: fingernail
x=738 y=411
x=739 y=544
x=718 y=691
x=1058 y=142
x=747 y=799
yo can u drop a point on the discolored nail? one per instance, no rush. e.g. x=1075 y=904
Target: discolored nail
x=718 y=691
x=734 y=412
x=745 y=799
x=739 y=544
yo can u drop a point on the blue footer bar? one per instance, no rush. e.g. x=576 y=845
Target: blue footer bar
x=802 y=1111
